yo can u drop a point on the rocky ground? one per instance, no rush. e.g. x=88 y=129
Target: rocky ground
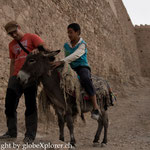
x=129 y=125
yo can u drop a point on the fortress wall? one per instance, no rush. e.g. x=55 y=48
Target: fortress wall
x=105 y=24
x=143 y=44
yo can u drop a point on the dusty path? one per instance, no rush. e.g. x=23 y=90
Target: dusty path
x=129 y=127
x=129 y=124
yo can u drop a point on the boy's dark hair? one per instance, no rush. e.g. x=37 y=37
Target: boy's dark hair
x=75 y=27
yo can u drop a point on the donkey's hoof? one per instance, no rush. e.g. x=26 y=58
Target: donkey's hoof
x=103 y=144
x=72 y=144
x=96 y=144
x=72 y=148
x=62 y=139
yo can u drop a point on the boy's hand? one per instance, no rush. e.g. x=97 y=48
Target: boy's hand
x=56 y=64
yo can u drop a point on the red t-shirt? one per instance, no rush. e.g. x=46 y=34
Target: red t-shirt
x=30 y=42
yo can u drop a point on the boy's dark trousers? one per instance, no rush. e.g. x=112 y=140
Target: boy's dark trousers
x=13 y=94
x=85 y=79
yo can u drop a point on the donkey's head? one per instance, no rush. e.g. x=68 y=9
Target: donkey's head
x=35 y=66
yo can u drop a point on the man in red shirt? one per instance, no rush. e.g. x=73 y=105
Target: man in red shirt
x=15 y=90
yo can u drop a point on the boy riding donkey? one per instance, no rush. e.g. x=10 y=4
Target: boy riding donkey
x=76 y=56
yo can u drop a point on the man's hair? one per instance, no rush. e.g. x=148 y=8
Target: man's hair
x=11 y=26
x=75 y=27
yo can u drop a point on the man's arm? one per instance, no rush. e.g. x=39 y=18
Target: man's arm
x=12 y=62
x=43 y=47
x=39 y=44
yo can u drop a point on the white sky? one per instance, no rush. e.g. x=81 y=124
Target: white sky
x=138 y=10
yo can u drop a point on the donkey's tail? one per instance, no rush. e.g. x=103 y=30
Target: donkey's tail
x=111 y=95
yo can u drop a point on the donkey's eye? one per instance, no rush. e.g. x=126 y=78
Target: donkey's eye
x=31 y=61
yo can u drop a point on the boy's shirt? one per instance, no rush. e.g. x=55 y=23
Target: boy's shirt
x=77 y=55
x=30 y=42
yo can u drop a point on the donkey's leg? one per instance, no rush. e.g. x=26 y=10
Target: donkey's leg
x=99 y=130
x=69 y=120
x=105 y=122
x=61 y=123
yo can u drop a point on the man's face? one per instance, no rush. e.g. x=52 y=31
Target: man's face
x=72 y=34
x=16 y=34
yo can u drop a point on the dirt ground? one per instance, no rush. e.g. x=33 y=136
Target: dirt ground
x=129 y=125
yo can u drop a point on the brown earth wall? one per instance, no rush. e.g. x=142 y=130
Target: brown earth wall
x=105 y=24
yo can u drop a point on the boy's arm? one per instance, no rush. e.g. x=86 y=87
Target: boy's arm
x=77 y=54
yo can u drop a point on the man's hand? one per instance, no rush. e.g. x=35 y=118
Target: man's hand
x=35 y=51
x=56 y=64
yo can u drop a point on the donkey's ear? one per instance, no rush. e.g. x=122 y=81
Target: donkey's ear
x=53 y=53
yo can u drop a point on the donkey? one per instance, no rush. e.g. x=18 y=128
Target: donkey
x=37 y=68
